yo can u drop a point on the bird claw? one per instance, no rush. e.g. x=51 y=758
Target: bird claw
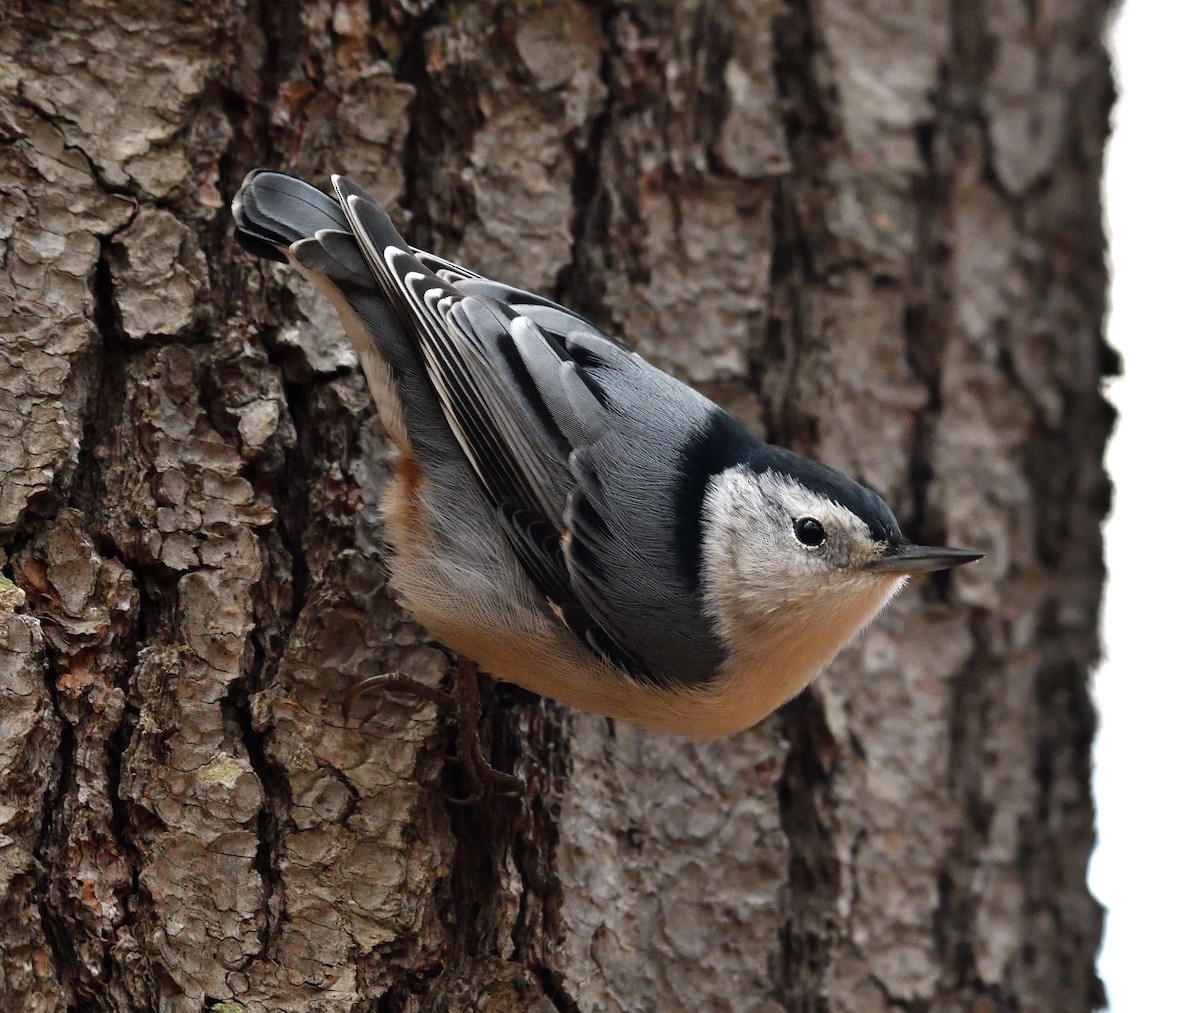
x=493 y=782
x=394 y=681
x=483 y=779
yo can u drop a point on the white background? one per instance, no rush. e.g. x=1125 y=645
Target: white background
x=1147 y=867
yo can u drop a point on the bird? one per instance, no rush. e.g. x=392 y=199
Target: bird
x=566 y=515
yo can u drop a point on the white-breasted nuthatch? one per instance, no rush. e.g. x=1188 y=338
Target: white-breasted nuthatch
x=570 y=517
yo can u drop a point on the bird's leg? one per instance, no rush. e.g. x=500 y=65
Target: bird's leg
x=394 y=681
x=481 y=775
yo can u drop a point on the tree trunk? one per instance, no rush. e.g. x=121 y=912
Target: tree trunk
x=872 y=230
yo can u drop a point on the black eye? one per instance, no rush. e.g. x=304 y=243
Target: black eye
x=809 y=531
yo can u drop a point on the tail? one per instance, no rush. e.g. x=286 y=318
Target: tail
x=272 y=211
x=277 y=215
x=286 y=220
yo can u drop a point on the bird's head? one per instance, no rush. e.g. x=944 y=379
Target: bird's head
x=789 y=542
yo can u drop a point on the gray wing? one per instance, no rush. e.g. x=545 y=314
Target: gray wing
x=554 y=416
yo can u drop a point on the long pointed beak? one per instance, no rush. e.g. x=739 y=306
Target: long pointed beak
x=922 y=559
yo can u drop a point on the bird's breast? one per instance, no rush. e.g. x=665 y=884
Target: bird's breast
x=773 y=657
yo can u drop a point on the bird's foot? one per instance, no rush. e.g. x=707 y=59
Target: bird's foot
x=482 y=778
x=397 y=682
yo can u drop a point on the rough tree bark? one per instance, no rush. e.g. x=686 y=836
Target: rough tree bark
x=872 y=229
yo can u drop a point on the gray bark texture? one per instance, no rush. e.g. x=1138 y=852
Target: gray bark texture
x=871 y=229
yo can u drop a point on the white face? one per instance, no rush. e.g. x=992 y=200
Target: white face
x=771 y=544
